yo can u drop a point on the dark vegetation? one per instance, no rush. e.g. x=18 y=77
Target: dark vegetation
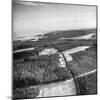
x=68 y=34
x=60 y=45
x=84 y=61
x=88 y=84
x=52 y=38
x=39 y=70
x=26 y=93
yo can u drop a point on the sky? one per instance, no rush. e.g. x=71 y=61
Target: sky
x=36 y=17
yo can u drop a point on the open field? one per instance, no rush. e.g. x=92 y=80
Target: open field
x=61 y=46
x=84 y=61
x=52 y=38
x=88 y=84
x=32 y=71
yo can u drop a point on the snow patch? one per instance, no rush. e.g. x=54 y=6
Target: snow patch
x=88 y=36
x=22 y=50
x=61 y=61
x=85 y=74
x=74 y=50
x=48 y=51
x=67 y=87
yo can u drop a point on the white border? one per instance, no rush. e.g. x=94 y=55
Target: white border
x=5 y=50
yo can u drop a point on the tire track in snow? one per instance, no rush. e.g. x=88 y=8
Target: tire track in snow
x=85 y=74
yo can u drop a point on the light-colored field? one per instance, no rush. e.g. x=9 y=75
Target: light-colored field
x=21 y=50
x=58 y=89
x=73 y=50
x=88 y=36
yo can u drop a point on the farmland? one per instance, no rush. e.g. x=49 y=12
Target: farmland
x=33 y=68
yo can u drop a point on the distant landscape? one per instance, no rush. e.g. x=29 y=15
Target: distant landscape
x=55 y=58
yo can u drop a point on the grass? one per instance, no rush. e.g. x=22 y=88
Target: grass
x=84 y=61
x=31 y=70
x=59 y=45
x=69 y=33
x=88 y=84
x=26 y=93
x=37 y=71
x=43 y=70
x=52 y=39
